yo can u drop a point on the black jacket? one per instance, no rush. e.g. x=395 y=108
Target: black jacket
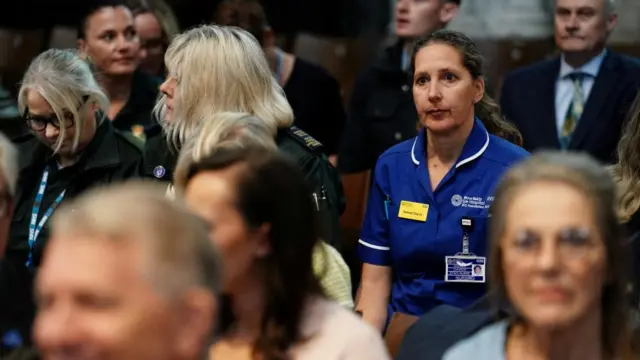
x=160 y=162
x=136 y=116
x=110 y=157
x=381 y=113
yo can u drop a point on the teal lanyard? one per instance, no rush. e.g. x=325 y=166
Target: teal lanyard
x=278 y=70
x=35 y=227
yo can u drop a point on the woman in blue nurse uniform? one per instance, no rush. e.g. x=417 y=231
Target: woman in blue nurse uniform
x=425 y=227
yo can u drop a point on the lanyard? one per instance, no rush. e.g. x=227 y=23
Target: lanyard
x=405 y=62
x=278 y=70
x=467 y=227
x=34 y=226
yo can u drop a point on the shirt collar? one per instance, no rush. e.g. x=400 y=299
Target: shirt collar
x=591 y=68
x=474 y=147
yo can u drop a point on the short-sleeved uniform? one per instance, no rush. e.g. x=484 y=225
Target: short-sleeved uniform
x=416 y=250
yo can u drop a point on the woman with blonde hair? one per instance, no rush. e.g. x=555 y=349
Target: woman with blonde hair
x=313 y=93
x=213 y=69
x=557 y=257
x=71 y=148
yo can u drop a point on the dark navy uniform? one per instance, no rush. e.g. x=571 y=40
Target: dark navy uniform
x=413 y=229
x=110 y=157
x=381 y=112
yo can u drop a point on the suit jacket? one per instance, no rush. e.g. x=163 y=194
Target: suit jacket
x=528 y=101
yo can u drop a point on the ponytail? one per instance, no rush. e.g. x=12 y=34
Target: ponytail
x=488 y=111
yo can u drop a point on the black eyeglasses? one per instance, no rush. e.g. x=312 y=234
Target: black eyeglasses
x=39 y=123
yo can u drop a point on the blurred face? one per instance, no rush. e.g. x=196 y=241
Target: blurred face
x=415 y=18
x=44 y=123
x=211 y=195
x=6 y=212
x=169 y=89
x=152 y=40
x=95 y=303
x=111 y=41
x=554 y=259
x=443 y=90
x=582 y=25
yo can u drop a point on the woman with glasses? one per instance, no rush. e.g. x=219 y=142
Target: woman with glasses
x=557 y=258
x=71 y=148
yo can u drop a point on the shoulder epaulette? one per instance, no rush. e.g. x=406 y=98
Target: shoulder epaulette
x=304 y=139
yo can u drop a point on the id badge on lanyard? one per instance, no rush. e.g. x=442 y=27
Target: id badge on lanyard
x=35 y=226
x=465 y=266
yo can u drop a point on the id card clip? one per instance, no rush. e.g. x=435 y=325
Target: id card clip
x=467 y=227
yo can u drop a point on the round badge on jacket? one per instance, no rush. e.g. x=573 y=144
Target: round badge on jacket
x=159 y=171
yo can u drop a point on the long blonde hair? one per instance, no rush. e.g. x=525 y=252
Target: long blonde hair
x=220 y=69
x=66 y=82
x=626 y=172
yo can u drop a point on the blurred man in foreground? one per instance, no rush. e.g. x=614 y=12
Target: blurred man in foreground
x=128 y=275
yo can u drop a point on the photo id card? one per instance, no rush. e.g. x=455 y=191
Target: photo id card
x=467 y=269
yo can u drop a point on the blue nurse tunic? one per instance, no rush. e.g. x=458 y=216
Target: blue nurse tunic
x=416 y=249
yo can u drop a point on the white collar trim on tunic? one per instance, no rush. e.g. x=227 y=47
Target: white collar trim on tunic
x=461 y=162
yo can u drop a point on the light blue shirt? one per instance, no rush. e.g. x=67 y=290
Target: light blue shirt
x=564 y=85
x=488 y=343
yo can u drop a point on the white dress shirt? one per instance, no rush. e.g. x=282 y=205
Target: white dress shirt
x=564 y=85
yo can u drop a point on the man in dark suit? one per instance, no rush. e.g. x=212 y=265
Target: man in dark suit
x=578 y=101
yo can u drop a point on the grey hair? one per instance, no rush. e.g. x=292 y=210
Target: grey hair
x=584 y=174
x=609 y=6
x=9 y=164
x=63 y=79
x=177 y=252
x=223 y=130
x=218 y=69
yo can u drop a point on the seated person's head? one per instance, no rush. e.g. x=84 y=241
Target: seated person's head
x=557 y=249
x=153 y=40
x=414 y=19
x=213 y=69
x=107 y=37
x=127 y=275
x=58 y=98
x=248 y=15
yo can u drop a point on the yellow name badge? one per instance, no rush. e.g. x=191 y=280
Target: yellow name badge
x=413 y=211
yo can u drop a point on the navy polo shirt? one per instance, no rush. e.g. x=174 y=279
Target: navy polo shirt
x=416 y=250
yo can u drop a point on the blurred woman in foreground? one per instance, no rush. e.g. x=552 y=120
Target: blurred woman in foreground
x=557 y=256
x=245 y=131
x=264 y=223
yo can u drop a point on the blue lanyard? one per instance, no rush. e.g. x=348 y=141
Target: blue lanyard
x=34 y=226
x=278 y=70
x=405 y=62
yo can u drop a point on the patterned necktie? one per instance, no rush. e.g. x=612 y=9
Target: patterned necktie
x=575 y=111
